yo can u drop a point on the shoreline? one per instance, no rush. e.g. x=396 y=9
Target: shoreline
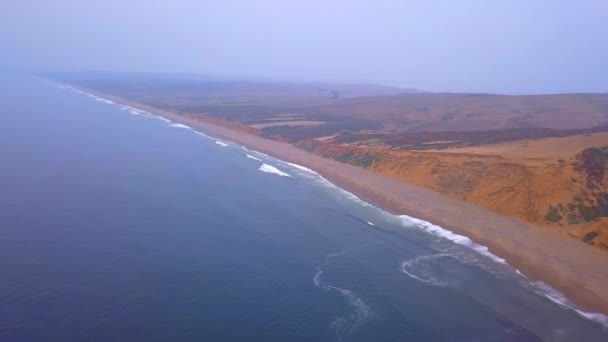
x=576 y=270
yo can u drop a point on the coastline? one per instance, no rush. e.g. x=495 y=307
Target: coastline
x=579 y=272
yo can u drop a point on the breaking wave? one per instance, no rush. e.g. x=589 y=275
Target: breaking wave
x=456 y=238
x=271 y=169
x=202 y=134
x=300 y=167
x=134 y=111
x=254 y=158
x=99 y=99
x=329 y=184
x=560 y=299
x=178 y=125
x=217 y=142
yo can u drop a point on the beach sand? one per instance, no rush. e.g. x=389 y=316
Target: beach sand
x=566 y=264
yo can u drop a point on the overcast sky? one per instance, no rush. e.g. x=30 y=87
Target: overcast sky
x=527 y=46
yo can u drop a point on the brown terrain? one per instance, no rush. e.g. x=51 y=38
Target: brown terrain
x=538 y=162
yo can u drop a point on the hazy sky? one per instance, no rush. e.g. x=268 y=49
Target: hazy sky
x=526 y=46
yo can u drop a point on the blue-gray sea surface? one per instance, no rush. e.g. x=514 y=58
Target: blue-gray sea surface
x=117 y=225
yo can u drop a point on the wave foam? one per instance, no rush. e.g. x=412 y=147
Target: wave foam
x=361 y=312
x=456 y=238
x=202 y=134
x=104 y=100
x=560 y=299
x=137 y=112
x=419 y=269
x=300 y=167
x=271 y=169
x=331 y=185
x=254 y=158
x=217 y=142
x=178 y=125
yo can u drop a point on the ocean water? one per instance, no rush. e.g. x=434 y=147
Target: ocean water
x=118 y=225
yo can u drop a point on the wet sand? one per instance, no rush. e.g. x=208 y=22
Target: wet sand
x=566 y=264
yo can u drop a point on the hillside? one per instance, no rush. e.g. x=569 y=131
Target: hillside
x=565 y=190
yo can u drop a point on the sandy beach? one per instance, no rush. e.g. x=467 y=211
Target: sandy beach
x=566 y=264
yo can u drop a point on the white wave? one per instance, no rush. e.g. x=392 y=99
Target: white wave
x=331 y=185
x=561 y=300
x=162 y=118
x=456 y=238
x=271 y=169
x=254 y=158
x=302 y=168
x=178 y=125
x=100 y=99
x=139 y=112
x=371 y=224
x=217 y=142
x=202 y=134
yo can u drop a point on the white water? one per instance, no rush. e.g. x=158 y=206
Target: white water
x=254 y=158
x=456 y=238
x=271 y=169
x=217 y=142
x=561 y=300
x=419 y=269
x=178 y=125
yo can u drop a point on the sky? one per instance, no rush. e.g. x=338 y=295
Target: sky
x=512 y=47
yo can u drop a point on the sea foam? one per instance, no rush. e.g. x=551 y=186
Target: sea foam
x=271 y=169
x=456 y=238
x=217 y=142
x=178 y=125
x=421 y=270
x=561 y=300
x=254 y=158
x=361 y=312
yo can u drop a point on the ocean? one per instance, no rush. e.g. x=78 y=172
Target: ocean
x=116 y=224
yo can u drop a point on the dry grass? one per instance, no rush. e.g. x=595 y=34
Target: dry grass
x=550 y=149
x=274 y=123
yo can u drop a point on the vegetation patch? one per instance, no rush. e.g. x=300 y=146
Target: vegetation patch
x=592 y=162
x=588 y=238
x=553 y=215
x=590 y=203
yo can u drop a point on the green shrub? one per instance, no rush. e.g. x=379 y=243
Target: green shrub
x=586 y=212
x=553 y=215
x=588 y=238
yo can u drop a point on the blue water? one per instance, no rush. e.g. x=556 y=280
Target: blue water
x=116 y=226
